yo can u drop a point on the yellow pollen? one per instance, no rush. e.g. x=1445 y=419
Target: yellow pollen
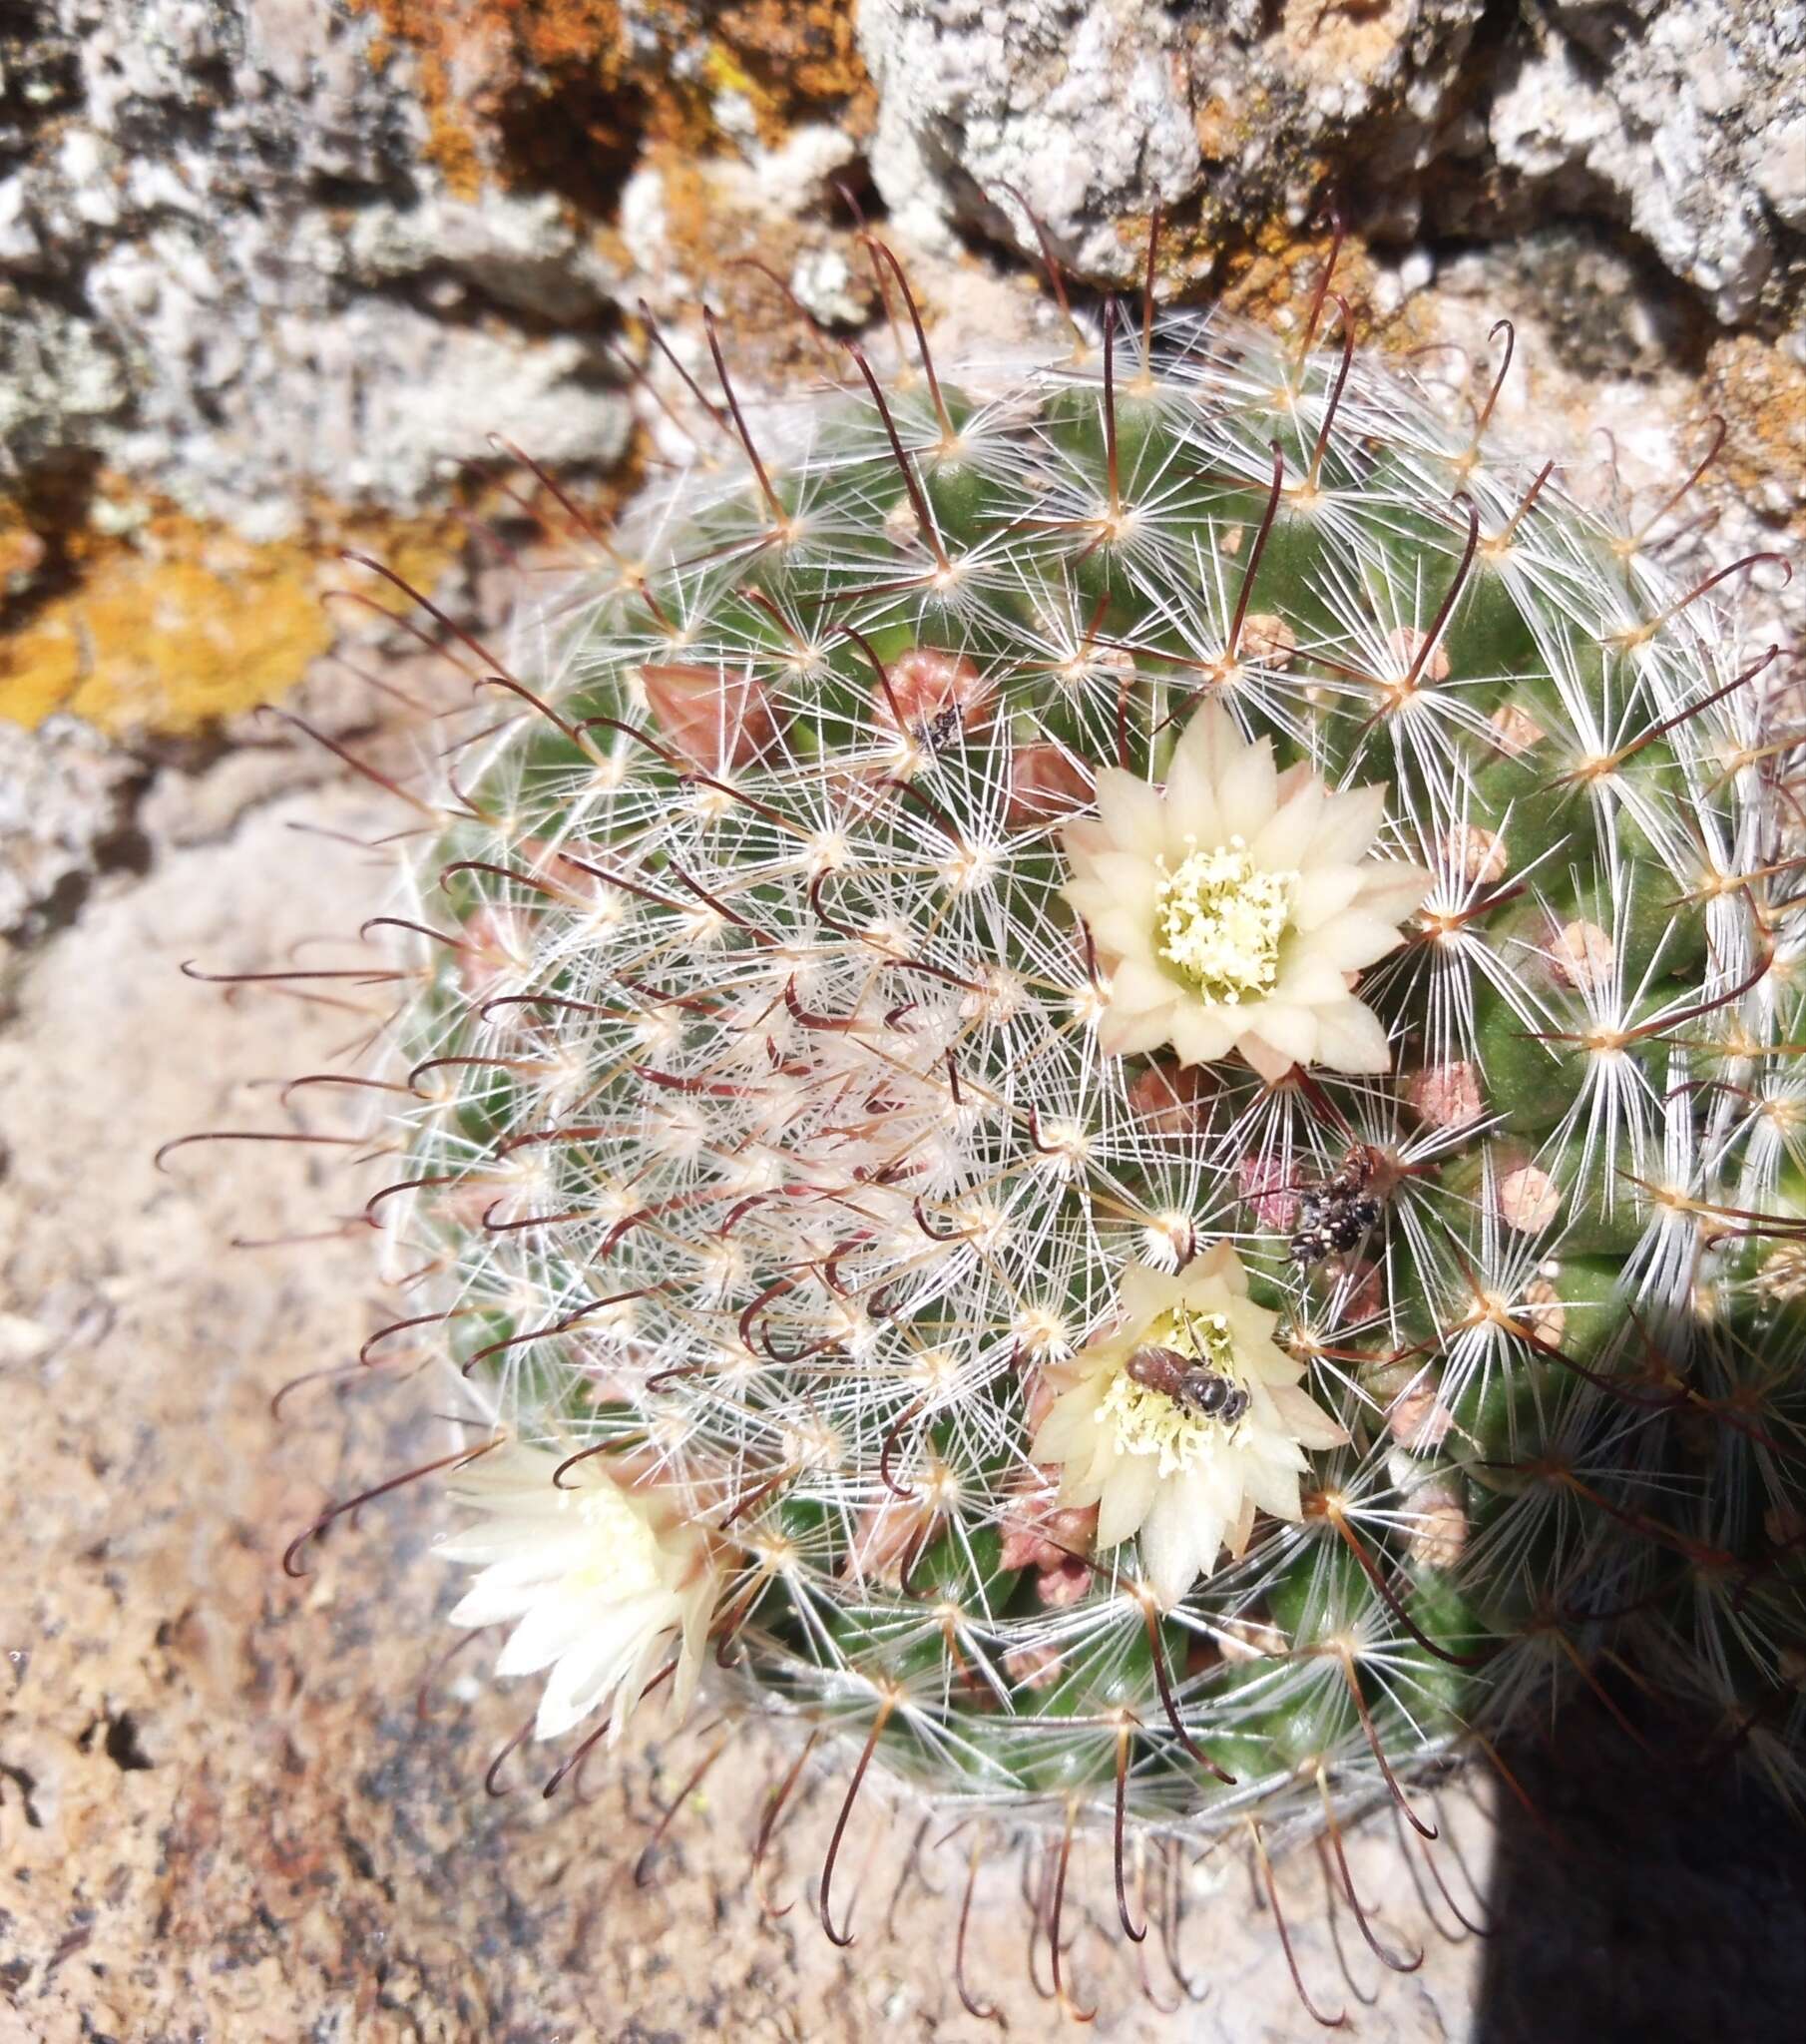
x=1219 y=919
x=1148 y=1422
x=622 y=1553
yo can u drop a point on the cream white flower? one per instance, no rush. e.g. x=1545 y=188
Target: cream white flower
x=600 y=1581
x=1155 y=1464
x=1234 y=908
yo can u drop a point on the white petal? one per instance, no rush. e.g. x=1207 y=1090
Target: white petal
x=1146 y=1291
x=1292 y=1031
x=583 y=1680
x=1210 y=740
x=1351 y=1038
x=486 y=1603
x=1135 y=983
x=1278 y=841
x=550 y=1628
x=1355 y=938
x=1304 y=1419
x=1068 y=1425
x=1129 y=809
x=1273 y=1488
x=1120 y=929
x=1350 y=822
x=1247 y=791
x=1393 y=890
x=1321 y=893
x=1271 y=1063
x=1250 y=1326
x=1202 y=1034
x=1127 y=1497
x=1307 y=980
x=1172 y=1540
x=1244 y=1526
x=1127 y=876
x=1123 y=1033
x=1219 y=1265
x=1191 y=800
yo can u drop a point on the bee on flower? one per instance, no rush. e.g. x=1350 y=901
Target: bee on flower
x=1234 y=908
x=1183 y=1421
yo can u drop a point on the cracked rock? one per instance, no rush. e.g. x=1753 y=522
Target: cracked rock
x=1687 y=122
x=236 y=276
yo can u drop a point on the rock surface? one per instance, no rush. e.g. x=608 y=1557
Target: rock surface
x=1688 y=121
x=1684 y=124
x=265 y=302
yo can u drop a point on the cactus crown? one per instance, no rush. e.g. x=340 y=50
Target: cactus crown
x=1115 y=1047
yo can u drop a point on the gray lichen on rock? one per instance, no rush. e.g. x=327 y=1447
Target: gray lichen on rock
x=1688 y=122
x=234 y=277
x=1685 y=124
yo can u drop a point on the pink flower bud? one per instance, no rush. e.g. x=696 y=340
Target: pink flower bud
x=1070 y=1583
x=936 y=695
x=1266 y=1185
x=1170 y=1099
x=1033 y=1666
x=1045 y=781
x=708 y=717
x=884 y=1538
x=1037 y=1533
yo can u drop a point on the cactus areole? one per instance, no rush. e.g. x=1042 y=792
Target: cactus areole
x=1107 y=1094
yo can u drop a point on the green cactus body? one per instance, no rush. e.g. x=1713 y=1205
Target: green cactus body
x=766 y=1138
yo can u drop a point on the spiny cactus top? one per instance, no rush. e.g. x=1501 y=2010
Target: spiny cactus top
x=1107 y=1091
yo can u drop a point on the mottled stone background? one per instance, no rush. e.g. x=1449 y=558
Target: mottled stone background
x=272 y=274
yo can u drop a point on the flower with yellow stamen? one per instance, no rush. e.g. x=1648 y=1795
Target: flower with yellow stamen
x=1234 y=908
x=1132 y=1432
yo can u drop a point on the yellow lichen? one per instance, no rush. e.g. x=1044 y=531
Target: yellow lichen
x=177 y=623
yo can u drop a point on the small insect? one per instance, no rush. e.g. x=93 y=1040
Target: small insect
x=1188 y=1383
x=1337 y=1214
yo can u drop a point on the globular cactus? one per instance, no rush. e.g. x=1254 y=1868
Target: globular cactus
x=1105 y=1092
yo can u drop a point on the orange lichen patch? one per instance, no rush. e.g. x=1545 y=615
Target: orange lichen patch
x=1280 y=270
x=555 y=94
x=1222 y=129
x=487 y=66
x=1343 y=40
x=1268 y=272
x=1760 y=393
x=1190 y=247
x=181 y=622
x=800 y=57
x=22 y=550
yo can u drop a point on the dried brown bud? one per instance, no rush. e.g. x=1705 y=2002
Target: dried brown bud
x=1514 y=733
x=1581 y=955
x=1267 y=640
x=1406 y=643
x=1527 y=1198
